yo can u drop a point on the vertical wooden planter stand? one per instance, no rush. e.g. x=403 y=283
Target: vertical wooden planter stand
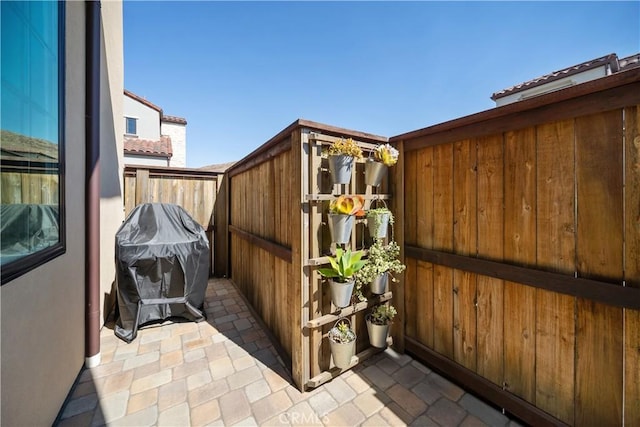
x=318 y=314
x=279 y=236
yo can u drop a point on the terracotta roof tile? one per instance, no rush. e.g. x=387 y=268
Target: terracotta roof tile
x=611 y=59
x=174 y=119
x=153 y=148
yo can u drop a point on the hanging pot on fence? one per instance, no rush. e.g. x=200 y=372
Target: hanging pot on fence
x=378 y=224
x=380 y=284
x=343 y=352
x=341 y=293
x=374 y=172
x=377 y=333
x=340 y=168
x=340 y=227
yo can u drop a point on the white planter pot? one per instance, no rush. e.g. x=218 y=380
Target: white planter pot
x=340 y=168
x=380 y=284
x=377 y=334
x=378 y=226
x=341 y=293
x=342 y=353
x=374 y=172
x=340 y=227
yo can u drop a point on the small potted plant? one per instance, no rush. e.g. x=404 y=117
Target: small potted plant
x=340 y=275
x=378 y=322
x=342 y=213
x=378 y=220
x=341 y=155
x=382 y=263
x=342 y=340
x=383 y=157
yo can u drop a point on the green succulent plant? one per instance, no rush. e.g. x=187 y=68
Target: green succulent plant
x=383 y=314
x=342 y=333
x=343 y=266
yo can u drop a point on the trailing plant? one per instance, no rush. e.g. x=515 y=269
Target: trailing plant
x=382 y=314
x=387 y=154
x=375 y=217
x=381 y=259
x=343 y=266
x=345 y=146
x=342 y=333
x=347 y=205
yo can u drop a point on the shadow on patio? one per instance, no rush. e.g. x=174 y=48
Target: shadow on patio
x=226 y=371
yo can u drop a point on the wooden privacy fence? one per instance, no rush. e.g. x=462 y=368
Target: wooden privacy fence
x=278 y=197
x=195 y=190
x=521 y=235
x=29 y=182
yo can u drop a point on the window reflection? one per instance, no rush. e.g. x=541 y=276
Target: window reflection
x=31 y=134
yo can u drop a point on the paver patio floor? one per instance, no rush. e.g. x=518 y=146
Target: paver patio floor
x=225 y=371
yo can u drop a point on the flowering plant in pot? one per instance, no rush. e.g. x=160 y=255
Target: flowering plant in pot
x=378 y=322
x=382 y=262
x=342 y=213
x=342 y=340
x=343 y=266
x=383 y=157
x=341 y=155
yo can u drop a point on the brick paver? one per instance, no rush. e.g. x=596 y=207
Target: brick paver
x=226 y=372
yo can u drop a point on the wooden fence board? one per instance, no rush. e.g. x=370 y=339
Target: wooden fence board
x=599 y=232
x=424 y=303
x=599 y=254
x=443 y=240
x=632 y=265
x=490 y=334
x=11 y=188
x=599 y=370
x=410 y=205
x=410 y=275
x=424 y=198
x=520 y=248
x=555 y=324
x=424 y=238
x=632 y=367
x=464 y=241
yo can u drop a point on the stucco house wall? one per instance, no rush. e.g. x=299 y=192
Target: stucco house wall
x=148 y=118
x=178 y=134
x=42 y=311
x=142 y=160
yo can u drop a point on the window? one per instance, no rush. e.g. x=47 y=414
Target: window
x=131 y=126
x=31 y=140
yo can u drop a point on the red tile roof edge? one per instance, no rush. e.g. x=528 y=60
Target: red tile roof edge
x=612 y=59
x=161 y=147
x=174 y=119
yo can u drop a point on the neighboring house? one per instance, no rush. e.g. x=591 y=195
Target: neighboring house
x=61 y=150
x=571 y=76
x=152 y=138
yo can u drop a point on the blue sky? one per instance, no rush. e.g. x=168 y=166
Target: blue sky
x=240 y=72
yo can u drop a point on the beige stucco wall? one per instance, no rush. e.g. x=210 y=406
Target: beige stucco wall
x=111 y=147
x=148 y=118
x=42 y=312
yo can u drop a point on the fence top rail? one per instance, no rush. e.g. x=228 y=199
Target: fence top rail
x=284 y=135
x=130 y=170
x=604 y=84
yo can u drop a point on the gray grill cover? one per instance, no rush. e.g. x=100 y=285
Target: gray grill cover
x=162 y=258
